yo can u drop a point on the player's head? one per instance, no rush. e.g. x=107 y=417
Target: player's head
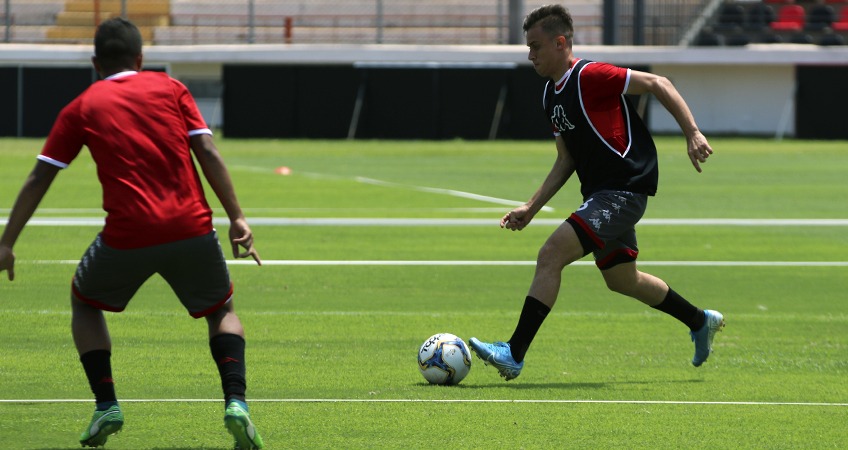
x=117 y=46
x=548 y=30
x=554 y=20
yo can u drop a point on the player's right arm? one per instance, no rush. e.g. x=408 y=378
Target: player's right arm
x=33 y=190
x=561 y=171
x=216 y=173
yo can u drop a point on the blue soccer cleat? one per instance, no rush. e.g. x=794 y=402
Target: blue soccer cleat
x=103 y=423
x=499 y=355
x=703 y=338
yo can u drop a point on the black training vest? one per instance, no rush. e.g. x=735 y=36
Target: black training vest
x=598 y=165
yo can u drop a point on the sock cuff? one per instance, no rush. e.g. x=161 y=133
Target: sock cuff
x=225 y=337
x=537 y=305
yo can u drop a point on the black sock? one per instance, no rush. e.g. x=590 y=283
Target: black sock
x=98 y=370
x=228 y=352
x=677 y=307
x=532 y=316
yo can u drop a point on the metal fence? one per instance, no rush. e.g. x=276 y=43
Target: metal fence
x=480 y=22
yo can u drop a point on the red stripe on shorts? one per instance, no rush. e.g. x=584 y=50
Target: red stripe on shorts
x=633 y=254
x=589 y=232
x=214 y=307
x=93 y=302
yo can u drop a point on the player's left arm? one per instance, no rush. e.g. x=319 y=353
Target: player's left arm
x=216 y=173
x=642 y=82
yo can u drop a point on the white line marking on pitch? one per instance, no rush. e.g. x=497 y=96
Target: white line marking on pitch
x=309 y=262
x=431 y=222
x=405 y=400
x=450 y=192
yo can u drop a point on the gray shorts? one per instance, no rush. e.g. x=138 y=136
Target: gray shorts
x=605 y=225
x=195 y=268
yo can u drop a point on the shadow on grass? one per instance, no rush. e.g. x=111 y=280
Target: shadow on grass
x=562 y=385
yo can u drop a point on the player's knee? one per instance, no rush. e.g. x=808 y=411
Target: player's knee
x=553 y=258
x=621 y=284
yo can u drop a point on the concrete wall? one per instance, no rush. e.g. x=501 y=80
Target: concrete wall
x=740 y=90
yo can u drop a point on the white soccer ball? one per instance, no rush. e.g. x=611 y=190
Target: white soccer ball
x=444 y=359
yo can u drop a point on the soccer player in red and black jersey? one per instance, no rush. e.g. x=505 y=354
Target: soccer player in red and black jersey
x=599 y=137
x=142 y=129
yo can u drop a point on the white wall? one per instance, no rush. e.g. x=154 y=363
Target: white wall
x=731 y=99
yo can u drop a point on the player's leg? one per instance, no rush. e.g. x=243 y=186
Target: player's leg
x=626 y=279
x=197 y=272
x=562 y=248
x=106 y=278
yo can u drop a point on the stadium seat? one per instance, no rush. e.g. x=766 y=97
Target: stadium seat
x=709 y=38
x=801 y=38
x=770 y=38
x=819 y=17
x=731 y=15
x=737 y=38
x=841 y=24
x=789 y=18
x=760 y=16
x=828 y=38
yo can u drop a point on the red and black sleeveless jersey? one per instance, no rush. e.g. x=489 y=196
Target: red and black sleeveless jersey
x=610 y=145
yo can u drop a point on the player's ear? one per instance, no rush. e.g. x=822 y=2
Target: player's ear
x=96 y=64
x=138 y=62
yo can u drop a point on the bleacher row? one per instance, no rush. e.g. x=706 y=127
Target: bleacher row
x=739 y=23
x=168 y=22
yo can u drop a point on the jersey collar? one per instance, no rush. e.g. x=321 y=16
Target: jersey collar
x=121 y=75
x=561 y=83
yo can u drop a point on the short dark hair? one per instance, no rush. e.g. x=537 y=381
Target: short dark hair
x=554 y=20
x=117 y=43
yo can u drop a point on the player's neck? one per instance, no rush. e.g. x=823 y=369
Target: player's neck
x=566 y=66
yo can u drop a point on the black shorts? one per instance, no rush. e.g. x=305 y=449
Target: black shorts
x=606 y=226
x=195 y=268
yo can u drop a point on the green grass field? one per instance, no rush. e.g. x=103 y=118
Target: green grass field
x=334 y=321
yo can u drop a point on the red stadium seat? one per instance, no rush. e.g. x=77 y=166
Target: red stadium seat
x=841 y=23
x=789 y=18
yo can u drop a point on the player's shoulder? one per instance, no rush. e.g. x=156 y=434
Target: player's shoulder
x=601 y=72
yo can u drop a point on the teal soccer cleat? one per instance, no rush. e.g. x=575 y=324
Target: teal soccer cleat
x=703 y=338
x=499 y=356
x=237 y=421
x=103 y=424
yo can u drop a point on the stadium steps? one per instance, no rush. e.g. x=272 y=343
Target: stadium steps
x=78 y=19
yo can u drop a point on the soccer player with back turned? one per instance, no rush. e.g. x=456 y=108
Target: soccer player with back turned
x=600 y=137
x=142 y=129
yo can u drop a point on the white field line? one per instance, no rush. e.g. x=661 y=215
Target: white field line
x=310 y=262
x=393 y=185
x=425 y=222
x=450 y=192
x=407 y=400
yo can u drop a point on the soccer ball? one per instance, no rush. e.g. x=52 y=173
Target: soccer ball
x=444 y=359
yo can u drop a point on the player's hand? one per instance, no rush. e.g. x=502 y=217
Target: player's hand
x=699 y=150
x=7 y=261
x=241 y=236
x=516 y=219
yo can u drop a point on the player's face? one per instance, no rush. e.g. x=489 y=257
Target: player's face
x=546 y=52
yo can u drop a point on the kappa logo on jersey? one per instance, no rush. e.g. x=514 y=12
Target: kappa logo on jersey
x=559 y=120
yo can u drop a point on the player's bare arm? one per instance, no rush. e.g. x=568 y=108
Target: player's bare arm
x=697 y=146
x=216 y=173
x=33 y=190
x=561 y=171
